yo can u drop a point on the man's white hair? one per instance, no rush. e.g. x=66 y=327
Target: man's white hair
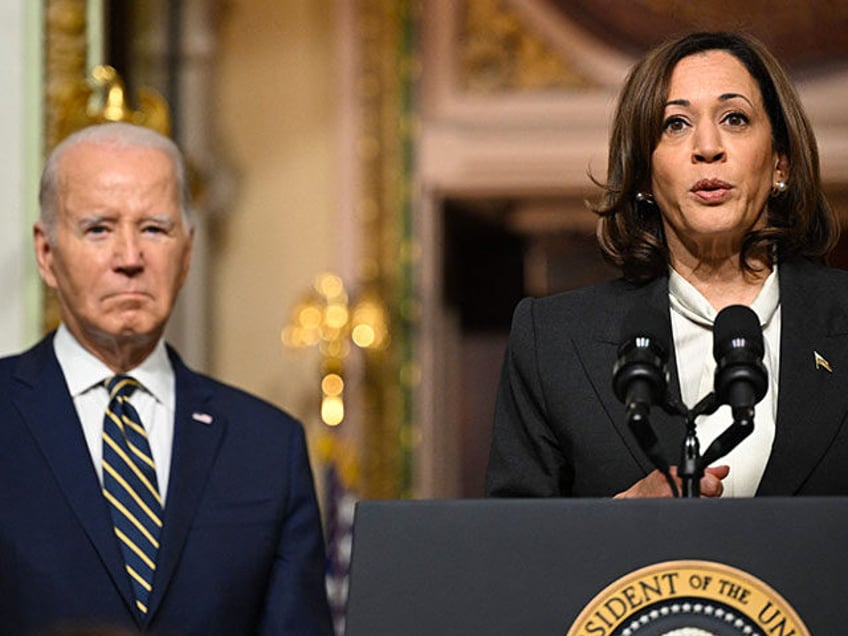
x=115 y=135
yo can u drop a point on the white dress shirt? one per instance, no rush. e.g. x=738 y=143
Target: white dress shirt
x=692 y=319
x=155 y=400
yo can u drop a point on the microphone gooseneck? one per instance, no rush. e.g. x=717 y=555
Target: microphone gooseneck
x=741 y=379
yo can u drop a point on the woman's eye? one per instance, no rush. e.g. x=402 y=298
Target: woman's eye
x=736 y=119
x=674 y=124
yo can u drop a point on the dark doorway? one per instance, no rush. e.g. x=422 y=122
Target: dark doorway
x=495 y=253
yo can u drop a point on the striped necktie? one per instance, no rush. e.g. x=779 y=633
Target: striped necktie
x=130 y=486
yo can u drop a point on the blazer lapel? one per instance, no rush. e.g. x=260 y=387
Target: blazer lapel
x=55 y=425
x=598 y=353
x=812 y=400
x=198 y=432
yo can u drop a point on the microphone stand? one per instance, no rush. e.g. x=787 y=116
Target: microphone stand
x=692 y=463
x=743 y=425
x=639 y=422
x=689 y=470
x=691 y=467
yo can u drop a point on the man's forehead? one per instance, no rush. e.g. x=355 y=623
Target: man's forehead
x=114 y=155
x=116 y=167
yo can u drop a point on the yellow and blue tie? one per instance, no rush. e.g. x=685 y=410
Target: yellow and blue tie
x=131 y=488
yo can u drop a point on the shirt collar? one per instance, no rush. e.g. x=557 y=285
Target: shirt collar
x=690 y=303
x=84 y=371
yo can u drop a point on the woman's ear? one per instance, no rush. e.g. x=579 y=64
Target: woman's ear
x=781 y=168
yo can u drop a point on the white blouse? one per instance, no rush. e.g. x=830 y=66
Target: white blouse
x=692 y=319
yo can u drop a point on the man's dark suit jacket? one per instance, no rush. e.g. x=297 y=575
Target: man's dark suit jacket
x=241 y=547
x=560 y=431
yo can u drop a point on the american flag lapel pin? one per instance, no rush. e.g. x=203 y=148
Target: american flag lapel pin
x=203 y=418
x=821 y=363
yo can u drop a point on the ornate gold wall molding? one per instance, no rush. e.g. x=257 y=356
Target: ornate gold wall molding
x=498 y=53
x=386 y=76
x=102 y=97
x=64 y=63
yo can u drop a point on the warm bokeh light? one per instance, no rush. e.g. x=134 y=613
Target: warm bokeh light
x=330 y=286
x=369 y=325
x=325 y=317
x=336 y=316
x=332 y=384
x=309 y=317
x=332 y=410
x=363 y=336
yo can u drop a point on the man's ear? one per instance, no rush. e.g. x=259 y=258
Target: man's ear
x=43 y=254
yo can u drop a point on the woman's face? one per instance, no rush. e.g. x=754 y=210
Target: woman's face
x=714 y=166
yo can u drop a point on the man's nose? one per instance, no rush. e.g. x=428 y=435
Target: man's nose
x=128 y=255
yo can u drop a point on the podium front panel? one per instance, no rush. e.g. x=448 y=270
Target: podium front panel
x=530 y=567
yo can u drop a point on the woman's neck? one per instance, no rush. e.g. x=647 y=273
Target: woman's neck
x=723 y=282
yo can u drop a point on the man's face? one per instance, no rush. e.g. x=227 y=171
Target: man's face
x=120 y=251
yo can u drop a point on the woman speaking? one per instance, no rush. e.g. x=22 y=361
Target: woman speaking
x=712 y=199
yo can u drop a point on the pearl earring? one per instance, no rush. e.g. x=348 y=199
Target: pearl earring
x=781 y=186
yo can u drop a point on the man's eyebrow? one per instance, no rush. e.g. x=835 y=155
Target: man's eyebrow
x=93 y=219
x=163 y=219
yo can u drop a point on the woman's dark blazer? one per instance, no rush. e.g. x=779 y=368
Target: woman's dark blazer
x=560 y=431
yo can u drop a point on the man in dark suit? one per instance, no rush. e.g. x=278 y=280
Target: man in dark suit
x=206 y=521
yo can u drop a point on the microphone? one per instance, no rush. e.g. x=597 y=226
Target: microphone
x=740 y=377
x=640 y=374
x=640 y=377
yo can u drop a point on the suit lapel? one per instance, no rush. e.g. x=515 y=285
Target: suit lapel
x=55 y=425
x=598 y=353
x=812 y=401
x=198 y=432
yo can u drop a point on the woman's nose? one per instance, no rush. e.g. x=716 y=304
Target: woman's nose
x=707 y=145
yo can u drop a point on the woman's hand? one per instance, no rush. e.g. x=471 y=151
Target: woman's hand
x=655 y=484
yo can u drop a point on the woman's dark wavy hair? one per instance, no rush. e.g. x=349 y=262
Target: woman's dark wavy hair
x=800 y=220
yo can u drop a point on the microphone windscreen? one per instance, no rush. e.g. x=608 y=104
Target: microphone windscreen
x=644 y=321
x=737 y=324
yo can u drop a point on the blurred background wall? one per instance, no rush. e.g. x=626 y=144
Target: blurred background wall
x=432 y=155
x=20 y=108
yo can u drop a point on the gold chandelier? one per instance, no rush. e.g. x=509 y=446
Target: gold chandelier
x=326 y=318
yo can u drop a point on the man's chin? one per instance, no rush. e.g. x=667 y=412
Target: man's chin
x=131 y=331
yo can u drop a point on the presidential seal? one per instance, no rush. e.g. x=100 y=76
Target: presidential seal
x=688 y=598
